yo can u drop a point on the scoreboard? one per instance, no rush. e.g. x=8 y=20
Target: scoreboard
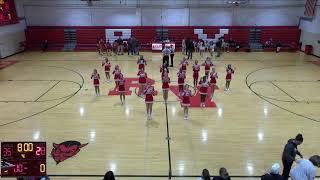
x=8 y=14
x=23 y=159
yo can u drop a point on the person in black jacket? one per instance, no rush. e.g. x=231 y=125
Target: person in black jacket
x=189 y=47
x=223 y=175
x=109 y=176
x=274 y=173
x=289 y=154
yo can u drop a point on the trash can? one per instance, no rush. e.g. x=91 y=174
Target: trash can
x=308 y=49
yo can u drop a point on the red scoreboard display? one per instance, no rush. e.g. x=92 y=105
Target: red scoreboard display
x=24 y=159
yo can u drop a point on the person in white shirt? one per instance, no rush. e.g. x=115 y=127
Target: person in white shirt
x=305 y=168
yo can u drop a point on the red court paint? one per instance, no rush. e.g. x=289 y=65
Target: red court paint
x=4 y=64
x=130 y=83
x=315 y=62
x=195 y=100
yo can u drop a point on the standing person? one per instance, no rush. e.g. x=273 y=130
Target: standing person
x=122 y=89
x=120 y=46
x=149 y=92
x=96 y=81
x=223 y=175
x=306 y=168
x=117 y=73
x=108 y=47
x=183 y=64
x=273 y=174
x=107 y=67
x=230 y=71
x=166 y=53
x=181 y=77
x=185 y=95
x=165 y=86
x=183 y=45
x=278 y=46
x=141 y=62
x=195 y=69
x=219 y=46
x=171 y=55
x=100 y=46
x=190 y=48
x=207 y=65
x=289 y=154
x=203 y=91
x=142 y=80
x=201 y=47
x=164 y=69
x=205 y=175
x=138 y=45
x=213 y=81
x=130 y=46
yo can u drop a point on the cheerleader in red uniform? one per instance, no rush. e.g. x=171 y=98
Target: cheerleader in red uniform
x=213 y=81
x=164 y=69
x=149 y=92
x=117 y=73
x=203 y=90
x=107 y=67
x=207 y=65
x=141 y=63
x=122 y=89
x=142 y=80
x=108 y=47
x=195 y=69
x=230 y=71
x=95 y=76
x=185 y=103
x=181 y=77
x=165 y=86
x=183 y=64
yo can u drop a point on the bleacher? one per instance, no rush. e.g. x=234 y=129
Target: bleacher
x=87 y=36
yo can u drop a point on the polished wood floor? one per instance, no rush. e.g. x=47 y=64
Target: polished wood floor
x=51 y=98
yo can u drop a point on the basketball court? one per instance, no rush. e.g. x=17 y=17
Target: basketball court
x=50 y=97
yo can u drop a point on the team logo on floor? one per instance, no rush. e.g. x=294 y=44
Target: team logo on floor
x=65 y=150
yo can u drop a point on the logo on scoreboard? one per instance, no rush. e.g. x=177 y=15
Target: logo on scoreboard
x=66 y=150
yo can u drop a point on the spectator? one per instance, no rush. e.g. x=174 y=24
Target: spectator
x=120 y=46
x=130 y=46
x=232 y=43
x=237 y=47
x=183 y=45
x=219 y=46
x=306 y=168
x=45 y=46
x=273 y=174
x=223 y=175
x=205 y=175
x=171 y=55
x=278 y=46
x=289 y=154
x=166 y=53
x=138 y=46
x=109 y=176
x=189 y=47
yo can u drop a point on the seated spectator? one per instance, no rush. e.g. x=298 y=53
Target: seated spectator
x=223 y=175
x=273 y=174
x=232 y=43
x=305 y=168
x=237 y=47
x=205 y=175
x=109 y=176
x=278 y=46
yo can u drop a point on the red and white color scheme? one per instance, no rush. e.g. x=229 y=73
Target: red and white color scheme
x=213 y=78
x=205 y=37
x=203 y=87
x=95 y=77
x=149 y=92
x=185 y=96
x=142 y=77
x=165 y=83
x=196 y=69
x=107 y=66
x=114 y=34
x=122 y=87
x=310 y=8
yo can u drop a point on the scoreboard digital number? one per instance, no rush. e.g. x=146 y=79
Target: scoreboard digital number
x=25 y=159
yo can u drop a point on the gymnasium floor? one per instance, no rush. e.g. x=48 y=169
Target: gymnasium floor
x=50 y=97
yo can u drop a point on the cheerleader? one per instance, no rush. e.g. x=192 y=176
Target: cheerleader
x=165 y=86
x=142 y=80
x=213 y=81
x=107 y=67
x=203 y=90
x=164 y=69
x=122 y=89
x=183 y=64
x=185 y=103
x=195 y=69
x=108 y=47
x=207 y=65
x=181 y=77
x=141 y=62
x=95 y=76
x=149 y=92
x=230 y=71
x=117 y=73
